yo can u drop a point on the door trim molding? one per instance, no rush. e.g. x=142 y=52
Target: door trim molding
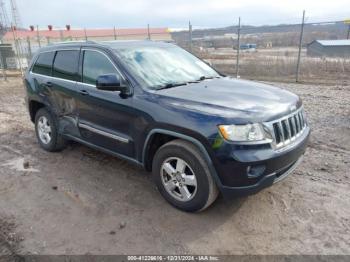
x=103 y=149
x=104 y=133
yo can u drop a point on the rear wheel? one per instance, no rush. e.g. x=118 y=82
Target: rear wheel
x=182 y=176
x=47 y=132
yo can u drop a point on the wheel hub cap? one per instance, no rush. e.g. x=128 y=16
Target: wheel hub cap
x=178 y=179
x=44 y=130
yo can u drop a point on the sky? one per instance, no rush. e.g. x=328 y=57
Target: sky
x=177 y=13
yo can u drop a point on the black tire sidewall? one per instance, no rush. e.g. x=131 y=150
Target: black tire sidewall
x=202 y=194
x=51 y=146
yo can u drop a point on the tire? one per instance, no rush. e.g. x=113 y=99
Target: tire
x=171 y=178
x=56 y=141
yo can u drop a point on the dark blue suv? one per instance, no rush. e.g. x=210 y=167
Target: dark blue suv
x=158 y=106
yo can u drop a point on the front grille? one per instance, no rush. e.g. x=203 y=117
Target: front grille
x=287 y=129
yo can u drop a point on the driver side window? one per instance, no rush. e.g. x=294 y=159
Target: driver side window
x=94 y=65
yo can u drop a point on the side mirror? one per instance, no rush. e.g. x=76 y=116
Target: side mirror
x=111 y=83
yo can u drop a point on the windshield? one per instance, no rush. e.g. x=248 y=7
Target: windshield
x=162 y=67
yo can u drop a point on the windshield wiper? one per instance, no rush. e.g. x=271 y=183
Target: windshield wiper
x=205 y=77
x=170 y=85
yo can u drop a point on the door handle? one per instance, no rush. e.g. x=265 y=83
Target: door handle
x=84 y=92
x=48 y=84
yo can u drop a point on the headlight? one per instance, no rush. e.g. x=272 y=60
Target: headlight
x=243 y=133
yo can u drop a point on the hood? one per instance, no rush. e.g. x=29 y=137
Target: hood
x=233 y=98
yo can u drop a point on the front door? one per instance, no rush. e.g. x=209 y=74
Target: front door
x=105 y=117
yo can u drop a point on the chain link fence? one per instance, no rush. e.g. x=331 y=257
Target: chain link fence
x=270 y=53
x=19 y=46
x=267 y=53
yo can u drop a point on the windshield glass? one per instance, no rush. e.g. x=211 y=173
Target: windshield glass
x=159 y=67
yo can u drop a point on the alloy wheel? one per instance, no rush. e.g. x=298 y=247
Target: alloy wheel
x=178 y=179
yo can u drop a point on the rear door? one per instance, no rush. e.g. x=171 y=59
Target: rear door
x=41 y=73
x=105 y=117
x=63 y=86
x=54 y=75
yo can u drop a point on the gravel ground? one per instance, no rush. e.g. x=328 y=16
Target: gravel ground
x=81 y=201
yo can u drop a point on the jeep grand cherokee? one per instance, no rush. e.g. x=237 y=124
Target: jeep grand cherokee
x=160 y=107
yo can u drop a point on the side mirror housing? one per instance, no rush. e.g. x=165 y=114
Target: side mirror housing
x=111 y=82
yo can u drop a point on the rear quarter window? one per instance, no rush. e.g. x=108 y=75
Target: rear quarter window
x=43 y=64
x=65 y=65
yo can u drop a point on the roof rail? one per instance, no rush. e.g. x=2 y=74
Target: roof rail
x=73 y=42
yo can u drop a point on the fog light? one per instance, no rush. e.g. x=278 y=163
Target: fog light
x=255 y=171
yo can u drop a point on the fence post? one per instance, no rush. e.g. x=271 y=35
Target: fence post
x=17 y=49
x=38 y=36
x=115 y=33
x=61 y=36
x=29 y=47
x=190 y=35
x=348 y=35
x=148 y=32
x=238 y=46
x=4 y=76
x=300 y=45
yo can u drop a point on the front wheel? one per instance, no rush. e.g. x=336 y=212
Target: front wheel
x=183 y=177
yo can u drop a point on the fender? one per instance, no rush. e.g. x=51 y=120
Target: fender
x=194 y=141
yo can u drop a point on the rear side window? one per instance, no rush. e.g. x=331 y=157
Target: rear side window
x=96 y=64
x=43 y=64
x=65 y=65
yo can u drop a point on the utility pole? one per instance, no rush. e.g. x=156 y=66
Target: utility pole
x=300 y=45
x=15 y=14
x=115 y=33
x=148 y=32
x=190 y=35
x=238 y=46
x=86 y=38
x=347 y=37
x=17 y=24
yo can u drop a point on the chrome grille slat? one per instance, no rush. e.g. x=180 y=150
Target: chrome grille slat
x=296 y=123
x=281 y=131
x=292 y=127
x=287 y=129
x=302 y=119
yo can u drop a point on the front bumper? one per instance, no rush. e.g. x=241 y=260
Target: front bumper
x=266 y=181
x=277 y=165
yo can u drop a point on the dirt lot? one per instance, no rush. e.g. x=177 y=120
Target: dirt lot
x=82 y=201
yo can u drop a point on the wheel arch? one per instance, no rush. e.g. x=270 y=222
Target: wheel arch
x=147 y=151
x=34 y=106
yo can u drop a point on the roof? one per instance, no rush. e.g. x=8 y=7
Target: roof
x=80 y=33
x=342 y=42
x=116 y=44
